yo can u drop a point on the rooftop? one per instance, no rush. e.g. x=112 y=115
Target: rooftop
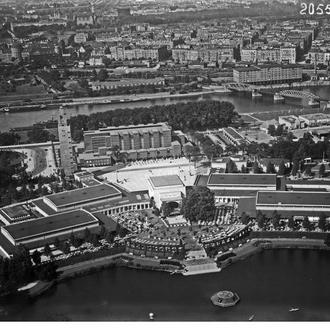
x=79 y=196
x=166 y=180
x=240 y=179
x=53 y=223
x=123 y=129
x=293 y=198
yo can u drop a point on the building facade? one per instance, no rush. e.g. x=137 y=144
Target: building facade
x=267 y=74
x=138 y=142
x=66 y=151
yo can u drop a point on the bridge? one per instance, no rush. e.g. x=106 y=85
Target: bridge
x=240 y=87
x=298 y=94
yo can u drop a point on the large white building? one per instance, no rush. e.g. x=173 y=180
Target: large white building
x=166 y=188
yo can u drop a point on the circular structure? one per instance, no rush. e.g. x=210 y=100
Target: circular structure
x=225 y=299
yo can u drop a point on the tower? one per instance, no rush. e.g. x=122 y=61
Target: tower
x=66 y=152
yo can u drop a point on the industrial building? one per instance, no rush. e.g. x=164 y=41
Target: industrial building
x=36 y=231
x=137 y=141
x=77 y=198
x=294 y=203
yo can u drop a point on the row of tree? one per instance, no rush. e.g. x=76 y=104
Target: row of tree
x=275 y=220
x=181 y=116
x=287 y=148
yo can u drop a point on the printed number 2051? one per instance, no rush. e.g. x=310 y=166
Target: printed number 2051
x=312 y=9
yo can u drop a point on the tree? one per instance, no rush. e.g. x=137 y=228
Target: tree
x=308 y=170
x=95 y=240
x=66 y=248
x=73 y=240
x=271 y=130
x=87 y=235
x=102 y=75
x=152 y=202
x=38 y=135
x=47 y=250
x=276 y=219
x=306 y=223
x=48 y=272
x=322 y=170
x=156 y=212
x=322 y=222
x=256 y=168
x=199 y=205
x=270 y=168
x=291 y=223
x=103 y=232
x=231 y=166
x=295 y=167
x=57 y=243
x=166 y=209
x=282 y=168
x=110 y=237
x=36 y=257
x=279 y=130
x=261 y=220
x=245 y=219
x=9 y=138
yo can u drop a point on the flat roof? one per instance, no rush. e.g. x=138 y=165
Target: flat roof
x=16 y=211
x=241 y=179
x=128 y=198
x=53 y=223
x=293 y=198
x=79 y=196
x=43 y=206
x=166 y=180
x=315 y=116
x=318 y=182
x=233 y=133
x=238 y=192
x=138 y=128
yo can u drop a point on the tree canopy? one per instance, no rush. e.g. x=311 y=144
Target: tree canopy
x=181 y=116
x=199 y=205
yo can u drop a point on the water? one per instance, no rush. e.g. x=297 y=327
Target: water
x=269 y=284
x=242 y=103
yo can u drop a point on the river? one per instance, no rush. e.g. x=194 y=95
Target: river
x=269 y=284
x=243 y=104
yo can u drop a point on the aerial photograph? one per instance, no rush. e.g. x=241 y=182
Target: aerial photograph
x=165 y=160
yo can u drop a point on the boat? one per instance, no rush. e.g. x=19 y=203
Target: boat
x=251 y=317
x=293 y=309
x=256 y=94
x=43 y=106
x=151 y=316
x=313 y=103
x=278 y=97
x=4 y=109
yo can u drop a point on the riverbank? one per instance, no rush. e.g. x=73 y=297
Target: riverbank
x=257 y=245
x=110 y=100
x=120 y=259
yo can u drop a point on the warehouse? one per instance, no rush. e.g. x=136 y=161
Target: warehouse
x=36 y=232
x=294 y=203
x=78 y=198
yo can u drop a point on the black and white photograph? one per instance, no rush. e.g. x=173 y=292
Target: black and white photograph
x=164 y=161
